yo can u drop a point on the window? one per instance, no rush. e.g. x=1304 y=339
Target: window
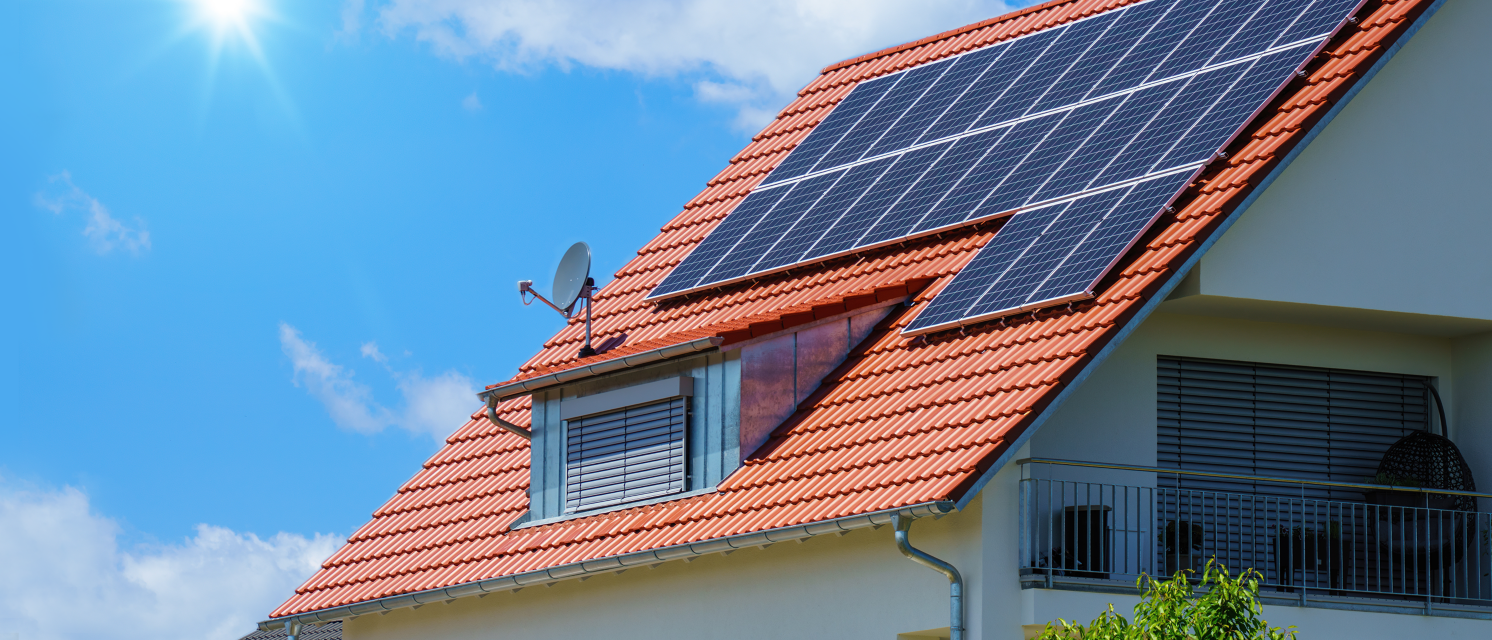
x=1284 y=422
x=625 y=455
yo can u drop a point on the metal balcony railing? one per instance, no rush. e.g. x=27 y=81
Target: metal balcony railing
x=1403 y=546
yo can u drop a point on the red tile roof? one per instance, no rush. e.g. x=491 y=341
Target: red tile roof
x=901 y=422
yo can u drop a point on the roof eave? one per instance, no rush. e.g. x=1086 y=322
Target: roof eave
x=612 y=564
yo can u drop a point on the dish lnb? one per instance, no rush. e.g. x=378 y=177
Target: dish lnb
x=572 y=288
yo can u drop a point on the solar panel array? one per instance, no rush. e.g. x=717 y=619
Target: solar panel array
x=1081 y=128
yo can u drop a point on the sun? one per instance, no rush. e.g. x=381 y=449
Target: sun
x=223 y=11
x=225 y=16
x=229 y=27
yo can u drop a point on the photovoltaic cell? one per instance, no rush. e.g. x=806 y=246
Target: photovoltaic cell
x=721 y=240
x=1262 y=29
x=1045 y=253
x=996 y=79
x=1047 y=156
x=1050 y=254
x=824 y=213
x=990 y=266
x=932 y=104
x=1322 y=16
x=846 y=234
x=1038 y=78
x=930 y=187
x=767 y=232
x=1120 y=37
x=1114 y=106
x=1177 y=23
x=885 y=114
x=1173 y=121
x=1110 y=238
x=992 y=169
x=1243 y=99
x=1205 y=40
x=1099 y=150
x=840 y=120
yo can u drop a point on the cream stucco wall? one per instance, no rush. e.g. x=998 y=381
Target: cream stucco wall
x=854 y=586
x=1471 y=412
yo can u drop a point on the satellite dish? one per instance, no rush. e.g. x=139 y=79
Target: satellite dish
x=570 y=277
x=572 y=284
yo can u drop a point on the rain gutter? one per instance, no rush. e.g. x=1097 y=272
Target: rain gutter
x=613 y=564
x=524 y=387
x=903 y=527
x=1170 y=284
x=510 y=427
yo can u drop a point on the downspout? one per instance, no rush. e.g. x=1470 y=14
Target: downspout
x=513 y=428
x=292 y=629
x=955 y=581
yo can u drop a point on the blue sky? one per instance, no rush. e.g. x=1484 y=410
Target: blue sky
x=257 y=267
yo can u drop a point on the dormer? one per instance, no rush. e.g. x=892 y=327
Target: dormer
x=667 y=424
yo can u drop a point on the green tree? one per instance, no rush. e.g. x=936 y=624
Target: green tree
x=1220 y=607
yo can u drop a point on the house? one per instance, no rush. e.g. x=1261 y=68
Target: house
x=1268 y=374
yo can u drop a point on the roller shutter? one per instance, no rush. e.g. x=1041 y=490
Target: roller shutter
x=1291 y=422
x=625 y=455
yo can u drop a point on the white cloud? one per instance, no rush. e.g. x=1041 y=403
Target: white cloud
x=471 y=102
x=764 y=51
x=352 y=18
x=103 y=230
x=438 y=405
x=434 y=406
x=350 y=404
x=66 y=578
x=370 y=350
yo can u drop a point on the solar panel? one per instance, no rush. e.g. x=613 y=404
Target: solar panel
x=1050 y=254
x=1086 y=124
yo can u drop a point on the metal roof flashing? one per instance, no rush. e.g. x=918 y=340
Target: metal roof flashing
x=530 y=385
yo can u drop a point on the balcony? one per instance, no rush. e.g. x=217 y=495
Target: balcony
x=1100 y=527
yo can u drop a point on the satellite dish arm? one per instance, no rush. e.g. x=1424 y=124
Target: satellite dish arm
x=527 y=287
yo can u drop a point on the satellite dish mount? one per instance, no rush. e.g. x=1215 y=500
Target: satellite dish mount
x=572 y=289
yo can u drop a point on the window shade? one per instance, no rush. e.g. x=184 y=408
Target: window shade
x=625 y=455
x=1290 y=422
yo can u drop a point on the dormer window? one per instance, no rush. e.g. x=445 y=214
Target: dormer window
x=672 y=426
x=626 y=445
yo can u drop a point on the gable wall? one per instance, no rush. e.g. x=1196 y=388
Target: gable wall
x=1389 y=208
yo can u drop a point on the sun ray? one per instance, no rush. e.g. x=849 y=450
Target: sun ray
x=228 y=25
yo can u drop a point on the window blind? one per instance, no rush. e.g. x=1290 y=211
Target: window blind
x=625 y=455
x=1271 y=420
